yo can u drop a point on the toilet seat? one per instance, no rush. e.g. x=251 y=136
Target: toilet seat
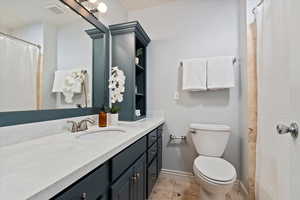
x=215 y=170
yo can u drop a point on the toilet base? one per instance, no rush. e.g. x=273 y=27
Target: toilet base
x=205 y=195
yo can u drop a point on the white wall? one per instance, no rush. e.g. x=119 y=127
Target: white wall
x=75 y=51
x=49 y=65
x=3 y=29
x=191 y=29
x=31 y=33
x=116 y=13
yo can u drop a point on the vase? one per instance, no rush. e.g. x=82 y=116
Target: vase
x=102 y=119
x=114 y=119
x=137 y=61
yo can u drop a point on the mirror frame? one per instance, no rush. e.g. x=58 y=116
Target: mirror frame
x=23 y=117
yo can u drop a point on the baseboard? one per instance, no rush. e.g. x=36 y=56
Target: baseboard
x=177 y=173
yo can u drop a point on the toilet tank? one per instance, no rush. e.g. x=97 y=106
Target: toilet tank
x=210 y=139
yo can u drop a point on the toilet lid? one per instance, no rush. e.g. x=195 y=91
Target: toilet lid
x=216 y=169
x=210 y=127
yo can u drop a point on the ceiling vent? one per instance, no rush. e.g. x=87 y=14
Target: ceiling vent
x=56 y=9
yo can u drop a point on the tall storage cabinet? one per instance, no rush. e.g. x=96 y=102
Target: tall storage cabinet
x=129 y=53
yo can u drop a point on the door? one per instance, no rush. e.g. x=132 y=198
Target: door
x=294 y=41
x=278 y=155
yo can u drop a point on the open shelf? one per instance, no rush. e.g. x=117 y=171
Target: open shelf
x=140 y=78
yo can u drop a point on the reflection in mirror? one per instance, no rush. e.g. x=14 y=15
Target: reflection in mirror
x=46 y=57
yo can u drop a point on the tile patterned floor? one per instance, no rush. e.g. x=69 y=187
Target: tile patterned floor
x=172 y=187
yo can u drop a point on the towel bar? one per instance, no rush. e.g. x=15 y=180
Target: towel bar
x=173 y=137
x=233 y=61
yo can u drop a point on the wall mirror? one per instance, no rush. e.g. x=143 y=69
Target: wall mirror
x=53 y=56
x=46 y=57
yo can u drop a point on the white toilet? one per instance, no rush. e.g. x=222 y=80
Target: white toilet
x=215 y=175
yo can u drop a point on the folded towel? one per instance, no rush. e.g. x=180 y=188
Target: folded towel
x=194 y=74
x=59 y=79
x=220 y=73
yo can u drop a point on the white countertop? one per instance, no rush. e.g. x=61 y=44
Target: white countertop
x=41 y=168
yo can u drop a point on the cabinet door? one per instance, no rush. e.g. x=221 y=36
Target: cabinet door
x=103 y=197
x=159 y=155
x=93 y=186
x=123 y=188
x=152 y=176
x=140 y=183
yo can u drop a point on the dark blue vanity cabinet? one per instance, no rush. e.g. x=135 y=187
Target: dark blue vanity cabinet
x=93 y=186
x=129 y=52
x=131 y=185
x=130 y=175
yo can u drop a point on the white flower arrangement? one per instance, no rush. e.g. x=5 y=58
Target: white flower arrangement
x=80 y=75
x=117 y=84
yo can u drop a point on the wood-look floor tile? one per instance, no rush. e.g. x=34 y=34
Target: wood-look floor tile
x=172 y=187
x=179 y=196
x=160 y=194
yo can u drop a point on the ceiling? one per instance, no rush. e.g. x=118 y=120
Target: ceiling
x=16 y=13
x=142 y=4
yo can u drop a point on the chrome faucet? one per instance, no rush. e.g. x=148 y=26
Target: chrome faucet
x=82 y=125
x=74 y=126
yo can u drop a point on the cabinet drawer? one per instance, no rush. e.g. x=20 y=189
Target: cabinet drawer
x=94 y=186
x=127 y=157
x=152 y=152
x=152 y=137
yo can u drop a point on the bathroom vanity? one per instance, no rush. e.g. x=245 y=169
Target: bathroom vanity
x=131 y=174
x=97 y=166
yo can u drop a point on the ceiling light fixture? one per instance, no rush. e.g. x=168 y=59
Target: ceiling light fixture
x=94 y=6
x=102 y=7
x=93 y=1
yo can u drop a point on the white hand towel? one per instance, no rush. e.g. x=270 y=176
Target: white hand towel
x=194 y=75
x=59 y=79
x=220 y=73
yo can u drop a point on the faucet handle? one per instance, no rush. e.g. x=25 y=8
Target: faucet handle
x=74 y=126
x=82 y=126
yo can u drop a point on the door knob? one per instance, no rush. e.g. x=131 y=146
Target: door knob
x=292 y=129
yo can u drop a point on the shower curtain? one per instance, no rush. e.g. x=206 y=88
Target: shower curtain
x=272 y=180
x=252 y=105
x=19 y=75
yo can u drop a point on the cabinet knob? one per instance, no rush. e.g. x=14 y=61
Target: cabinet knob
x=84 y=196
x=134 y=178
x=138 y=175
x=153 y=176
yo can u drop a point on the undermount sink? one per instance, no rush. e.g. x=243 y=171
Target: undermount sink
x=96 y=132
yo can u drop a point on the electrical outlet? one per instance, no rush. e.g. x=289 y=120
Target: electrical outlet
x=176 y=95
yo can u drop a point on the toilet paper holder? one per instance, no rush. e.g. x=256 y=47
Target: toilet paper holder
x=173 y=137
